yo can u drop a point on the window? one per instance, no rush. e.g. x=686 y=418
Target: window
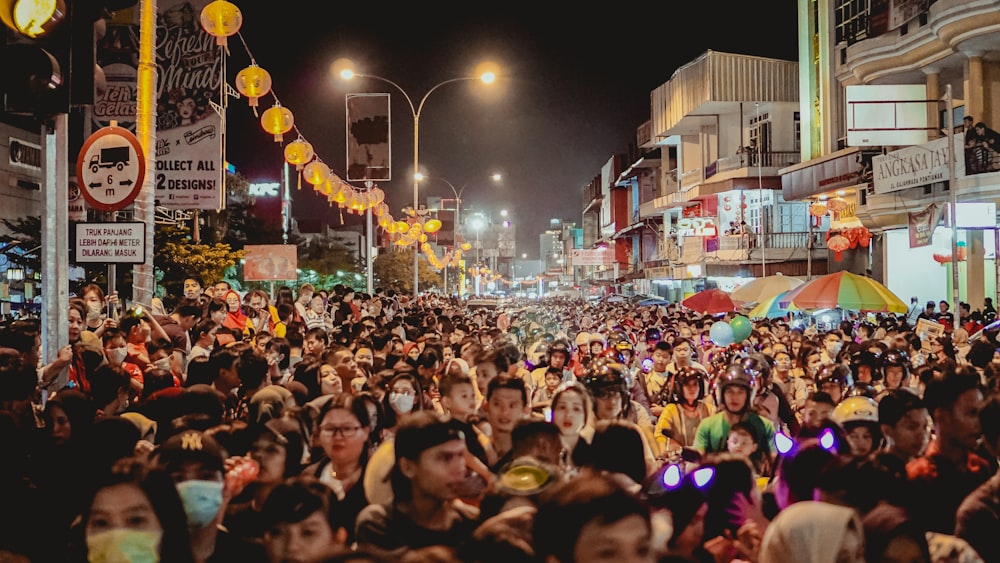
x=851 y=20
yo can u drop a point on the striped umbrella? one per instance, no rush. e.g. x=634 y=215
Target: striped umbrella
x=770 y=308
x=846 y=291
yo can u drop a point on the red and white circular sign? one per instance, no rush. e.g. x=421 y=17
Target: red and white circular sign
x=111 y=168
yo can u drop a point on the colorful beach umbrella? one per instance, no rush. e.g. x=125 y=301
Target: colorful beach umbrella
x=710 y=301
x=846 y=291
x=763 y=288
x=770 y=308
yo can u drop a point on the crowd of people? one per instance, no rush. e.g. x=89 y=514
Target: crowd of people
x=219 y=425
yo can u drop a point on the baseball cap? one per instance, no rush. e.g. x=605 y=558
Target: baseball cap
x=192 y=446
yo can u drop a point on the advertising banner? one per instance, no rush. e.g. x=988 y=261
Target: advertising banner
x=368 y=131
x=189 y=173
x=270 y=262
x=921 y=225
x=916 y=166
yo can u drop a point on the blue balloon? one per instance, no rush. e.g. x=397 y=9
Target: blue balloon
x=721 y=333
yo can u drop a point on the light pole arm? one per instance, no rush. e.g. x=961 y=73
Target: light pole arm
x=415 y=110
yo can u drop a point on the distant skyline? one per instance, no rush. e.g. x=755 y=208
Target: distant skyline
x=573 y=89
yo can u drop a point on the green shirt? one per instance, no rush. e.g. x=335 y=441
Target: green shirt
x=714 y=431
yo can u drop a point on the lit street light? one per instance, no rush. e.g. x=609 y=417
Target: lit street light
x=345 y=69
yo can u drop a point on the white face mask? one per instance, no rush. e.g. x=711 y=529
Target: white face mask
x=117 y=355
x=162 y=363
x=402 y=403
x=93 y=310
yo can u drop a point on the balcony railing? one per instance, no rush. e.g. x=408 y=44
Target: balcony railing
x=769 y=159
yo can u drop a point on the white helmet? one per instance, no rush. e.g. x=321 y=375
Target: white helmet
x=855 y=409
x=582 y=339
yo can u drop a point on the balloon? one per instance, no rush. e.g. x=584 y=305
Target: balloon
x=721 y=333
x=741 y=328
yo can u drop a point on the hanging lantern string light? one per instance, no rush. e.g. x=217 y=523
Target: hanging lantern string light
x=222 y=19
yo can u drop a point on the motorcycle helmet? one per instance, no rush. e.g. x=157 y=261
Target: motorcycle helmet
x=862 y=390
x=604 y=374
x=835 y=373
x=855 y=409
x=736 y=374
x=560 y=345
x=894 y=358
x=686 y=374
x=865 y=359
x=760 y=366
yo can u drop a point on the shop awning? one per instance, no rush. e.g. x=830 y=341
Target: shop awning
x=632 y=228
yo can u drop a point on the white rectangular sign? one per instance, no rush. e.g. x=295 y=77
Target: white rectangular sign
x=880 y=115
x=918 y=165
x=123 y=243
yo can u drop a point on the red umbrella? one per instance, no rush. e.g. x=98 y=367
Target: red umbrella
x=710 y=301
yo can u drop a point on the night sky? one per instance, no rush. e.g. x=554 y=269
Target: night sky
x=574 y=87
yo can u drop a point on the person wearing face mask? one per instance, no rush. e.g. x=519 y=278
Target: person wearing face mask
x=833 y=341
x=97 y=308
x=196 y=462
x=134 y=514
x=116 y=350
x=402 y=398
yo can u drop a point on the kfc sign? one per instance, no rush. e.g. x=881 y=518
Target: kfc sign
x=697 y=227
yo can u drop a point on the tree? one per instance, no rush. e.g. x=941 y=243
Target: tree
x=394 y=270
x=327 y=255
x=176 y=256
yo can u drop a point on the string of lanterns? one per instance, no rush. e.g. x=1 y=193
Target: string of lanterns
x=223 y=19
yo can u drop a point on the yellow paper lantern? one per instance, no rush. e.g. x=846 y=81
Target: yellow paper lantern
x=378 y=196
x=466 y=246
x=299 y=152
x=253 y=82
x=277 y=120
x=402 y=226
x=339 y=195
x=423 y=237
x=432 y=226
x=221 y=19
x=316 y=172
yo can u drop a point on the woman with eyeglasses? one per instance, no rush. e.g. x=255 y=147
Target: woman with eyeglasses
x=342 y=431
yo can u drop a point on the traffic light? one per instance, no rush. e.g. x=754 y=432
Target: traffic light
x=35 y=58
x=48 y=60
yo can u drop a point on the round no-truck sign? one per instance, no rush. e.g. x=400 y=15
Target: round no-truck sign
x=111 y=168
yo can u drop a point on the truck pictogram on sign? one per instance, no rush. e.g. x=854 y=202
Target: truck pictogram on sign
x=110 y=168
x=116 y=157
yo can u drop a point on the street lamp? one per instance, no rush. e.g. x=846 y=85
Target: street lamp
x=486 y=72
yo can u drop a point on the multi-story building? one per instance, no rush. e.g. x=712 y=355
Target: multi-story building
x=701 y=194
x=860 y=56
